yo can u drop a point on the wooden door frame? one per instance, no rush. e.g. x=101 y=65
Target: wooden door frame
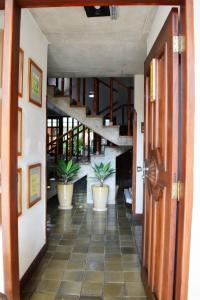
x=9 y=152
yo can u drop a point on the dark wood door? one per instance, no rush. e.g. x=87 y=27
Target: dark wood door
x=161 y=160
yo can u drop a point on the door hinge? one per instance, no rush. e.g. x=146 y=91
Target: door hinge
x=176 y=191
x=178 y=44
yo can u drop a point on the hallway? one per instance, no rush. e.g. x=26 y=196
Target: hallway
x=90 y=256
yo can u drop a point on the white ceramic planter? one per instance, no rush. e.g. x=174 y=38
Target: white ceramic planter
x=100 y=197
x=65 y=194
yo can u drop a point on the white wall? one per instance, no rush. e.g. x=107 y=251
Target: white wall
x=159 y=20
x=139 y=107
x=194 y=290
x=31 y=232
x=32 y=221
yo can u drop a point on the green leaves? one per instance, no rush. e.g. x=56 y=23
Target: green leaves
x=67 y=170
x=103 y=171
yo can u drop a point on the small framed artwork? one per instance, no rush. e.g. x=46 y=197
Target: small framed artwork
x=21 y=72
x=35 y=83
x=19 y=191
x=19 y=151
x=34 y=184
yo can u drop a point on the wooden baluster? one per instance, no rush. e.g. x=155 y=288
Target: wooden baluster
x=95 y=98
x=84 y=90
x=78 y=91
x=129 y=111
x=83 y=155
x=88 y=144
x=70 y=88
x=71 y=145
x=72 y=137
x=66 y=147
x=122 y=114
x=77 y=143
x=62 y=86
x=111 y=99
x=97 y=95
x=97 y=144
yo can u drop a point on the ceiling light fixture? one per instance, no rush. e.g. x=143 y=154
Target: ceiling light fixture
x=91 y=94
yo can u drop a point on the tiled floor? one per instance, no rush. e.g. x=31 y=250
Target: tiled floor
x=90 y=256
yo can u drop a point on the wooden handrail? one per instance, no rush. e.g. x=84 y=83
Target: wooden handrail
x=63 y=135
x=107 y=108
x=120 y=107
x=106 y=84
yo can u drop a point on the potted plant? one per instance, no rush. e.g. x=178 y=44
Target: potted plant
x=100 y=192
x=67 y=172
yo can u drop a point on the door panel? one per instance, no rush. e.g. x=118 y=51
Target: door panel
x=161 y=161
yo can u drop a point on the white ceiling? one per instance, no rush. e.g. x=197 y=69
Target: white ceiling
x=81 y=46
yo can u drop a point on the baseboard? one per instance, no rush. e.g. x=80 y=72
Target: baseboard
x=137 y=218
x=33 y=266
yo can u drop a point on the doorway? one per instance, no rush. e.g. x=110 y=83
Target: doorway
x=185 y=17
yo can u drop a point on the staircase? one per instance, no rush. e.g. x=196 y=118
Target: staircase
x=117 y=144
x=94 y=122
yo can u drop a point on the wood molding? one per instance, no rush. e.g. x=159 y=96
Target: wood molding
x=9 y=149
x=134 y=169
x=31 y=62
x=187 y=152
x=63 y=3
x=32 y=267
x=20 y=92
x=29 y=205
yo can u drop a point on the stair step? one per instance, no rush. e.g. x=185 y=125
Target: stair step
x=94 y=116
x=80 y=105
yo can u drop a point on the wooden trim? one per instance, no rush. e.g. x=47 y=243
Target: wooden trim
x=63 y=3
x=137 y=218
x=9 y=149
x=134 y=170
x=27 y=276
x=20 y=93
x=111 y=99
x=19 y=151
x=187 y=152
x=29 y=205
x=31 y=62
x=19 y=172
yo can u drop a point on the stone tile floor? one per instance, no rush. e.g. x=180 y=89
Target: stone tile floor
x=90 y=256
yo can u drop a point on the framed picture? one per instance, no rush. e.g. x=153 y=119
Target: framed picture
x=19 y=191
x=34 y=184
x=21 y=72
x=35 y=83
x=19 y=151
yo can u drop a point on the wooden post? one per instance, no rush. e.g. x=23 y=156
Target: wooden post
x=70 y=89
x=89 y=144
x=84 y=90
x=71 y=144
x=83 y=142
x=111 y=99
x=77 y=142
x=95 y=97
x=60 y=151
x=78 y=91
x=9 y=149
x=62 y=86
x=129 y=111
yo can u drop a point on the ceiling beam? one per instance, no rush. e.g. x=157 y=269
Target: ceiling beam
x=63 y=3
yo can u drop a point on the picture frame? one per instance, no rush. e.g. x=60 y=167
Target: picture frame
x=34 y=184
x=21 y=73
x=19 y=149
x=35 y=80
x=19 y=191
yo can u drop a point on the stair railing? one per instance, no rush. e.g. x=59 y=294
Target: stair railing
x=75 y=147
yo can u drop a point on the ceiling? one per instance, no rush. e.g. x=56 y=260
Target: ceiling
x=87 y=47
